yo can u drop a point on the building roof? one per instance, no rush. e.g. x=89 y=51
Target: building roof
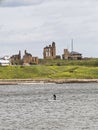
x=75 y=53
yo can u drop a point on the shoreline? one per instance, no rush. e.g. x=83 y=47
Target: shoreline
x=42 y=81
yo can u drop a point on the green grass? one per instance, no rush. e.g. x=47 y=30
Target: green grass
x=48 y=72
x=90 y=62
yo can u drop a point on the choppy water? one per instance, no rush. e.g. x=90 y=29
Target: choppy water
x=31 y=107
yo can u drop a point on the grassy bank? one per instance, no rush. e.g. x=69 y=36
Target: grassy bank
x=48 y=72
x=93 y=62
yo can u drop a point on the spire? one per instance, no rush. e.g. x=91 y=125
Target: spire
x=71 y=44
x=20 y=54
x=25 y=52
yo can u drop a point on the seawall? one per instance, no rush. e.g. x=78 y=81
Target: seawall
x=35 y=81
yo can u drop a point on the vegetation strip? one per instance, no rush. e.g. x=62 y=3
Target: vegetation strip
x=52 y=70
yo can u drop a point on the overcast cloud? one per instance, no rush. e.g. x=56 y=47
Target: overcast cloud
x=33 y=24
x=15 y=3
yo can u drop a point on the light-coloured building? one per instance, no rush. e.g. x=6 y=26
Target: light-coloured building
x=71 y=55
x=4 y=62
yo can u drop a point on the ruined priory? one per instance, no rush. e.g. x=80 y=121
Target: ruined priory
x=49 y=52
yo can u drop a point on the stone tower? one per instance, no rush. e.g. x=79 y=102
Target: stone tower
x=66 y=54
x=49 y=52
x=53 y=50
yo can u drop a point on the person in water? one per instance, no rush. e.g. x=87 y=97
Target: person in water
x=54 y=97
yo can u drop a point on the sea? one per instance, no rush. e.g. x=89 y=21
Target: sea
x=32 y=106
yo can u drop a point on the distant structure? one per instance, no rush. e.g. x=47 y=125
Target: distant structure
x=5 y=61
x=71 y=55
x=6 y=57
x=75 y=55
x=16 y=59
x=66 y=54
x=28 y=59
x=72 y=45
x=49 y=52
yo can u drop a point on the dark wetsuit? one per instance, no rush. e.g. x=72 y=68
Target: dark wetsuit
x=54 y=96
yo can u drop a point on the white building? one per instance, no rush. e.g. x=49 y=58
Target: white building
x=4 y=62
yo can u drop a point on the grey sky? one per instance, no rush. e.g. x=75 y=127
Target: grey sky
x=33 y=24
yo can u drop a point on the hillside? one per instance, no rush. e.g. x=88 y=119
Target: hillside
x=56 y=69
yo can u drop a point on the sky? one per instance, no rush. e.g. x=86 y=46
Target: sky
x=33 y=24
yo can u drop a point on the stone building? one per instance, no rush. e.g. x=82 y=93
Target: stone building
x=71 y=55
x=75 y=55
x=49 y=52
x=16 y=59
x=66 y=54
x=28 y=59
x=35 y=60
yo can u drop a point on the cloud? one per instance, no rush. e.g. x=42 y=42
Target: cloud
x=53 y=20
x=15 y=3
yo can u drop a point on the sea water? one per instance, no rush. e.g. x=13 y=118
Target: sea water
x=32 y=107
